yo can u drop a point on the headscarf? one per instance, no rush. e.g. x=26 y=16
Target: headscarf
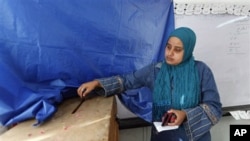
x=177 y=86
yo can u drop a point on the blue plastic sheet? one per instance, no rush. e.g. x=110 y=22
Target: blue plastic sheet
x=49 y=46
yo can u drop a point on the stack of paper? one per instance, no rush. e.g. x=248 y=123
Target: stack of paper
x=160 y=128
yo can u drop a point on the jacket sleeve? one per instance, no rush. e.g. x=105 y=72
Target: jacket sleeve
x=110 y=86
x=200 y=119
x=117 y=84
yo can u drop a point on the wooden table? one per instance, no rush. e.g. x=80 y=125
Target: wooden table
x=94 y=121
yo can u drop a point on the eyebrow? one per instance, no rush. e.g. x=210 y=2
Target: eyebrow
x=175 y=46
x=179 y=47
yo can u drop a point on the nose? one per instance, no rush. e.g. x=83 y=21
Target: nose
x=170 y=52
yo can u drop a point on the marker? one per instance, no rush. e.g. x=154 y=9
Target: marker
x=170 y=117
x=77 y=107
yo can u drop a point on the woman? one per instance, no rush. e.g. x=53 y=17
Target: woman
x=180 y=85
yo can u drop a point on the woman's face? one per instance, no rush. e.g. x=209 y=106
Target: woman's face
x=174 y=51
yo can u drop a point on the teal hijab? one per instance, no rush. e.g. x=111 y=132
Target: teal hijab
x=177 y=86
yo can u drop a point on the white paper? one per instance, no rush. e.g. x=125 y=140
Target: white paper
x=235 y=114
x=244 y=115
x=240 y=114
x=160 y=128
x=248 y=114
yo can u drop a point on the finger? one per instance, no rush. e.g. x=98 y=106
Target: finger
x=172 y=124
x=171 y=111
x=84 y=92
x=79 y=91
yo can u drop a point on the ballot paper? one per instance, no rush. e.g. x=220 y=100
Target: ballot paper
x=160 y=128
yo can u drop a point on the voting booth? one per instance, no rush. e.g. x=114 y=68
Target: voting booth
x=49 y=48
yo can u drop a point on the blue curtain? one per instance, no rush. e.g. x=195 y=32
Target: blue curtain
x=49 y=46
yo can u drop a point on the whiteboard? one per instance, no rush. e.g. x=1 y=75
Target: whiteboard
x=223 y=43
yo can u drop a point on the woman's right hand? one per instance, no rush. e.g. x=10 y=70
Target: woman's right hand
x=86 y=88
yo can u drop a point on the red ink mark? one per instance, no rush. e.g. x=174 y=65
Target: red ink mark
x=77 y=115
x=65 y=127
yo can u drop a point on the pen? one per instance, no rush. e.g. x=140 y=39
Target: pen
x=165 y=119
x=77 y=107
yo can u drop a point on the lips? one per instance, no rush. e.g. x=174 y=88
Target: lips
x=170 y=59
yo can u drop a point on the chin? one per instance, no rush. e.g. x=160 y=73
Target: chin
x=171 y=63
